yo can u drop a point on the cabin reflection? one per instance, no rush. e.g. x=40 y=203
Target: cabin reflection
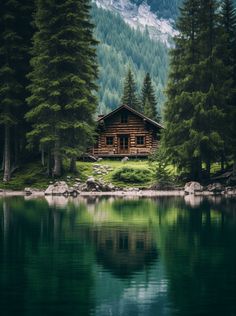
x=124 y=251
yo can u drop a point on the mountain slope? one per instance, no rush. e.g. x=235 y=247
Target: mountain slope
x=140 y=16
x=122 y=47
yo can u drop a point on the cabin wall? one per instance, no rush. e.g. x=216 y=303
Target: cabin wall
x=135 y=126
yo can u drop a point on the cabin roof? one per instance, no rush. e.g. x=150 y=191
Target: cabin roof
x=124 y=106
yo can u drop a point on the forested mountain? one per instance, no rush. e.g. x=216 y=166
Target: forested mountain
x=122 y=47
x=124 y=28
x=167 y=9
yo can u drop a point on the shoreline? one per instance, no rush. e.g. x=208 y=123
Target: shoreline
x=144 y=193
x=120 y=193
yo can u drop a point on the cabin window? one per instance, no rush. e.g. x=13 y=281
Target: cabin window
x=124 y=118
x=140 y=140
x=110 y=140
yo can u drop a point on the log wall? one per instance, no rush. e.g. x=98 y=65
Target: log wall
x=136 y=126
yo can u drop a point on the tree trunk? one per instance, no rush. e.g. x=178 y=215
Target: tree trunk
x=222 y=163
x=57 y=160
x=7 y=155
x=16 y=146
x=49 y=163
x=73 y=165
x=42 y=156
x=234 y=168
x=208 y=169
x=3 y=159
x=196 y=169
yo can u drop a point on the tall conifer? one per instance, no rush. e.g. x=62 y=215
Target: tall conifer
x=180 y=137
x=149 y=102
x=198 y=89
x=64 y=71
x=130 y=97
x=228 y=40
x=15 y=36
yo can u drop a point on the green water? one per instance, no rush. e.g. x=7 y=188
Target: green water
x=117 y=257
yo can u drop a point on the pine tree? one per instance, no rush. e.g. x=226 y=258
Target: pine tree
x=64 y=71
x=15 y=34
x=129 y=94
x=197 y=91
x=180 y=138
x=149 y=99
x=214 y=83
x=228 y=50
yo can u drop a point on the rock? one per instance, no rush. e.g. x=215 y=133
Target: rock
x=193 y=187
x=58 y=188
x=77 y=179
x=73 y=192
x=49 y=190
x=97 y=172
x=83 y=187
x=124 y=159
x=230 y=191
x=96 y=165
x=215 y=187
x=110 y=187
x=92 y=184
x=99 y=159
x=90 y=179
x=28 y=191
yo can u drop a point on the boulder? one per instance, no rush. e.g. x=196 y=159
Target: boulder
x=73 y=192
x=58 y=188
x=111 y=187
x=215 y=188
x=193 y=187
x=49 y=190
x=99 y=159
x=125 y=159
x=83 y=187
x=230 y=191
x=28 y=191
x=92 y=184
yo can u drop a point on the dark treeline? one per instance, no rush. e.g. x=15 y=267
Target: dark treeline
x=200 y=112
x=48 y=72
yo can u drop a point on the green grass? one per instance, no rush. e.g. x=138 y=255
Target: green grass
x=136 y=167
x=135 y=173
x=30 y=175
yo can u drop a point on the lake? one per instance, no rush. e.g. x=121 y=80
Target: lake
x=113 y=256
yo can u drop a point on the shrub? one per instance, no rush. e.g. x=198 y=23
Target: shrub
x=132 y=175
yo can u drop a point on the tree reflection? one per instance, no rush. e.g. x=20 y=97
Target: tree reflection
x=37 y=278
x=200 y=258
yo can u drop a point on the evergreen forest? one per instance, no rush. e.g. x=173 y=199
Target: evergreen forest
x=121 y=48
x=64 y=61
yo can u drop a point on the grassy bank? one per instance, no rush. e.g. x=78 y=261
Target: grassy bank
x=135 y=173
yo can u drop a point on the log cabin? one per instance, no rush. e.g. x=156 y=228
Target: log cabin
x=126 y=132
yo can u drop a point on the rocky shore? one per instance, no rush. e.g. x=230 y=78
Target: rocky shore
x=94 y=187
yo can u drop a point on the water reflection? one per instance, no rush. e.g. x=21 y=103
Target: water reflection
x=124 y=251
x=113 y=256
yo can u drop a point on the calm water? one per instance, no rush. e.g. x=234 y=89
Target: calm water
x=117 y=257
